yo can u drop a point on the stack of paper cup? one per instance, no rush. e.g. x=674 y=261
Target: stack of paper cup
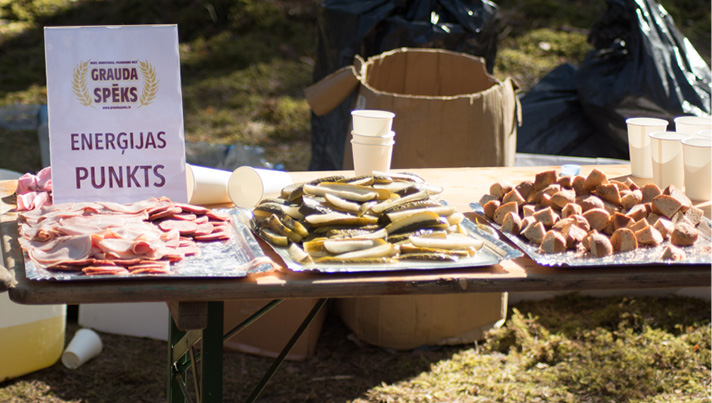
x=372 y=140
x=692 y=125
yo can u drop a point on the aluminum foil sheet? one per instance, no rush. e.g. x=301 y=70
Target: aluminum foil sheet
x=228 y=258
x=492 y=252
x=699 y=253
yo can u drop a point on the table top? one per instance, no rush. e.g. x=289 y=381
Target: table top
x=462 y=186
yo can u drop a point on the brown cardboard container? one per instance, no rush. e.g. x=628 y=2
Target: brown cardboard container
x=269 y=334
x=408 y=321
x=449 y=111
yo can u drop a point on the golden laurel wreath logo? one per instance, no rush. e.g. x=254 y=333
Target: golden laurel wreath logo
x=81 y=89
x=150 y=83
x=79 y=84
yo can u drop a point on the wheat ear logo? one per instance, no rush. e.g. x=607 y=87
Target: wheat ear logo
x=150 y=83
x=79 y=84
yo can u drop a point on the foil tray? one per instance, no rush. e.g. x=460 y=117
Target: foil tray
x=699 y=253
x=493 y=251
x=229 y=258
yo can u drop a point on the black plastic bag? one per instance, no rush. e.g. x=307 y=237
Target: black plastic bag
x=554 y=122
x=368 y=28
x=642 y=66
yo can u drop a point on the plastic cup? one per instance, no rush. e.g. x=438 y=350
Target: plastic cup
x=248 y=186
x=692 y=124
x=697 y=157
x=666 y=152
x=641 y=164
x=370 y=158
x=85 y=345
x=207 y=185
x=386 y=138
x=371 y=122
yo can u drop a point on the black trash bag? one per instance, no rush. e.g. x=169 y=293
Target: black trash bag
x=642 y=66
x=370 y=27
x=554 y=122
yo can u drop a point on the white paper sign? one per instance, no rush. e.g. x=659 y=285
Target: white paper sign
x=115 y=113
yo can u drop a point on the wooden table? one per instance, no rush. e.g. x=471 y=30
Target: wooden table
x=191 y=300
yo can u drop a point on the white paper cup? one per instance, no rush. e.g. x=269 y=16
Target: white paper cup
x=371 y=122
x=207 y=185
x=692 y=124
x=641 y=164
x=705 y=133
x=248 y=186
x=697 y=157
x=384 y=139
x=666 y=152
x=369 y=158
x=85 y=345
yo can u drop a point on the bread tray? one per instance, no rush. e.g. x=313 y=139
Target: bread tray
x=699 y=253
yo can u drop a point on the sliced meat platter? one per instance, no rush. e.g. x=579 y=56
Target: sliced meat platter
x=106 y=238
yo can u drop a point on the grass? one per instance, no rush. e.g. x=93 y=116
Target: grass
x=245 y=63
x=568 y=349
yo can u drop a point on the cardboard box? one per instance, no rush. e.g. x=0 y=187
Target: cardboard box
x=449 y=111
x=269 y=334
x=408 y=321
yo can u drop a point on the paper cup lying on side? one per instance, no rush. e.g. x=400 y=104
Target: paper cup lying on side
x=85 y=345
x=207 y=185
x=248 y=185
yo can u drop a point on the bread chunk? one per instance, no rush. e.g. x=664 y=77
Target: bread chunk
x=610 y=193
x=650 y=191
x=665 y=227
x=544 y=179
x=684 y=235
x=631 y=199
x=666 y=205
x=591 y=202
x=490 y=207
x=535 y=233
x=623 y=240
x=563 y=197
x=502 y=211
x=499 y=189
x=571 y=209
x=547 y=216
x=526 y=189
x=513 y=196
x=648 y=236
x=512 y=223
x=597 y=218
x=553 y=242
x=594 y=178
x=673 y=253
x=600 y=245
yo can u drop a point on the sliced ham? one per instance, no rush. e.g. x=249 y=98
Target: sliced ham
x=183 y=227
x=69 y=248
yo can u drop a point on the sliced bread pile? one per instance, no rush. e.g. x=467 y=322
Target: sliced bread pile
x=594 y=214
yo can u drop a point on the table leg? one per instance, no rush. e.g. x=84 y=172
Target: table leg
x=207 y=380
